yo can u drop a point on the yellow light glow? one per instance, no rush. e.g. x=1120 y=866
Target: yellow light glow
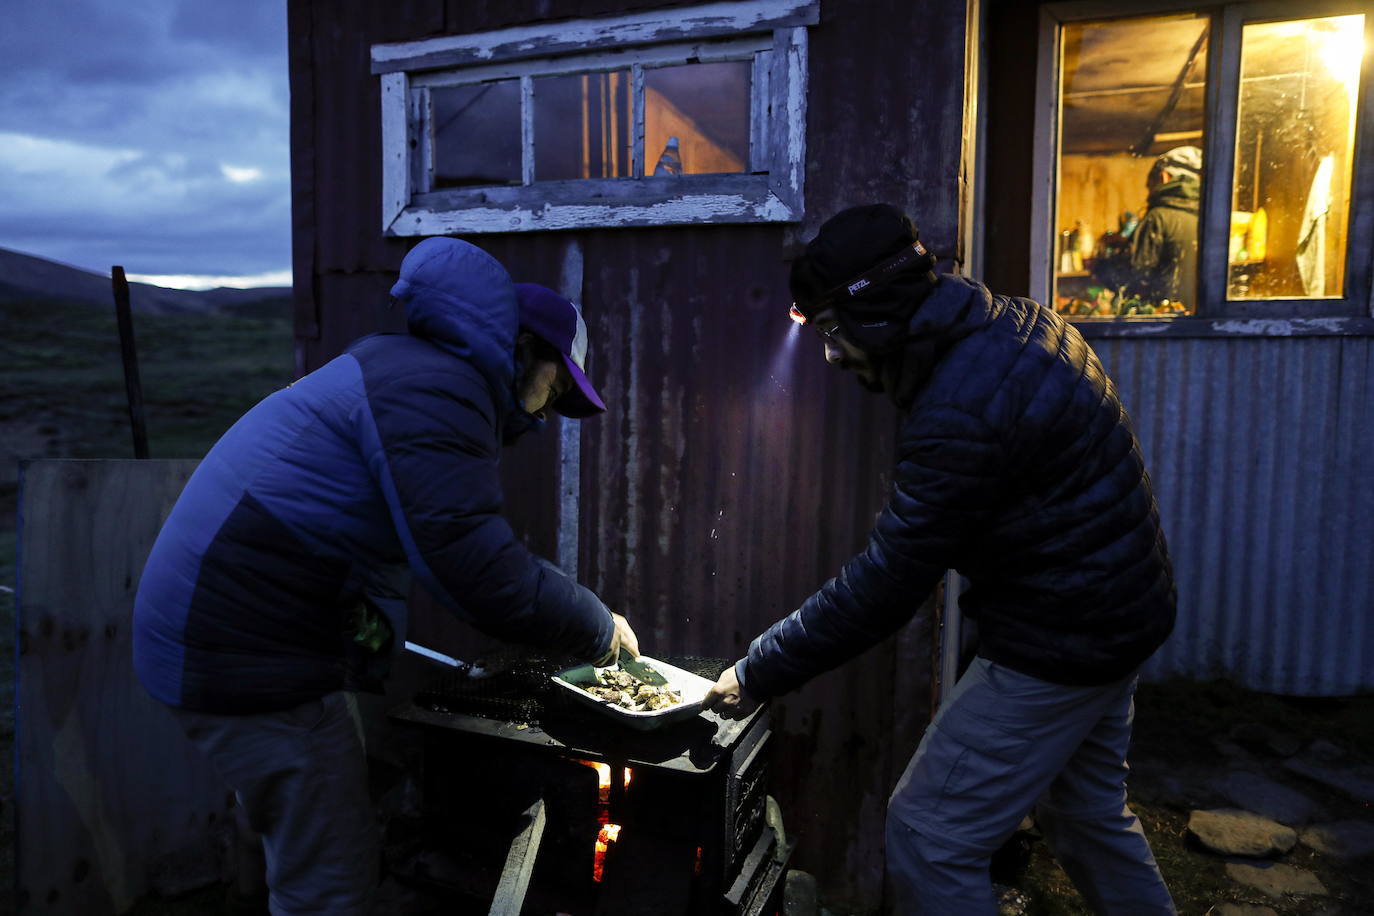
x=1340 y=43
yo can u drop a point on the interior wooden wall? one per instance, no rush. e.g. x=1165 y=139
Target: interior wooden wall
x=1096 y=188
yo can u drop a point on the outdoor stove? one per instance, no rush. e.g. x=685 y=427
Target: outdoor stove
x=536 y=804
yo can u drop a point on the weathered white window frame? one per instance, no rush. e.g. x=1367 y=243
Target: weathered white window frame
x=1216 y=314
x=771 y=33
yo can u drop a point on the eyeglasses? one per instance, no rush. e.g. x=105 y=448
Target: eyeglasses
x=827 y=332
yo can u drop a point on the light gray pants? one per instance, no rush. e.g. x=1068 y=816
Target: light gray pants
x=1003 y=744
x=301 y=777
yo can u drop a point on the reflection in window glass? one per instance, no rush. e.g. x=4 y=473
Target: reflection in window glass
x=1295 y=136
x=1131 y=101
x=696 y=118
x=477 y=134
x=582 y=126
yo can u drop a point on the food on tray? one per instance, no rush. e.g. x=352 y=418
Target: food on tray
x=622 y=689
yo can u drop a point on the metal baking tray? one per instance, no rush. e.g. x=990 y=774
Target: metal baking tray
x=692 y=687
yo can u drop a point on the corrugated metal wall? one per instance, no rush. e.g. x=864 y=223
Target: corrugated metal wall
x=1262 y=455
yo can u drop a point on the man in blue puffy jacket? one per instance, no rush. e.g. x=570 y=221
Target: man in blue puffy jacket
x=1016 y=466
x=298 y=534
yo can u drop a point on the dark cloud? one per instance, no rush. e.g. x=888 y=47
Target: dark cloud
x=245 y=240
x=121 y=120
x=248 y=29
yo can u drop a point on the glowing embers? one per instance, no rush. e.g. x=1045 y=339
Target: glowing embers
x=604 y=839
x=608 y=832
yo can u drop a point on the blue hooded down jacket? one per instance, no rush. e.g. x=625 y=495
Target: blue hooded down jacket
x=1016 y=466
x=380 y=464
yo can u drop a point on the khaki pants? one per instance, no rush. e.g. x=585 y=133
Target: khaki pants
x=1006 y=743
x=301 y=776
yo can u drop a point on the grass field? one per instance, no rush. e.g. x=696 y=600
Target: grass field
x=62 y=395
x=62 y=389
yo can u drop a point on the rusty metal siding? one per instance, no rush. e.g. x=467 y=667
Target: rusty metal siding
x=1261 y=452
x=885 y=113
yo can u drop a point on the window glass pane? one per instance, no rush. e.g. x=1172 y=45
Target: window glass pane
x=582 y=126
x=1131 y=99
x=1295 y=136
x=696 y=118
x=477 y=134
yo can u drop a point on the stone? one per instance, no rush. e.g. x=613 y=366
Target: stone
x=1262 y=739
x=800 y=894
x=1326 y=751
x=1240 y=909
x=1262 y=795
x=1356 y=782
x=1184 y=788
x=1276 y=879
x=1232 y=750
x=1240 y=833
x=1351 y=839
x=1010 y=901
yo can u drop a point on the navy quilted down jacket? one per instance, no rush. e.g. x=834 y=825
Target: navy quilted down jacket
x=380 y=464
x=1016 y=466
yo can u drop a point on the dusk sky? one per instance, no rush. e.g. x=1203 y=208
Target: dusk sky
x=151 y=134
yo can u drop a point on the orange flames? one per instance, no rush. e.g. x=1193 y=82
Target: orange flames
x=604 y=839
x=603 y=772
x=608 y=833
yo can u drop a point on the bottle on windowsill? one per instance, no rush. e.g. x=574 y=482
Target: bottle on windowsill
x=670 y=160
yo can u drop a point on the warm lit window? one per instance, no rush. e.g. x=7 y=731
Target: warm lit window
x=1203 y=164
x=696 y=118
x=685 y=115
x=1131 y=91
x=1295 y=144
x=582 y=126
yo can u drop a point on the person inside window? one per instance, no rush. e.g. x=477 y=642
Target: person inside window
x=1164 y=245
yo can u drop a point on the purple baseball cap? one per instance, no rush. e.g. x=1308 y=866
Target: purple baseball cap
x=557 y=321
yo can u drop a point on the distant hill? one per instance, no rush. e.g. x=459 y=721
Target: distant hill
x=28 y=277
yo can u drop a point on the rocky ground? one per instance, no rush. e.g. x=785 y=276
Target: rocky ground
x=1255 y=805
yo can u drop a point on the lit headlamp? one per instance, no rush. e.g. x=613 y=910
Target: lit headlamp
x=871 y=280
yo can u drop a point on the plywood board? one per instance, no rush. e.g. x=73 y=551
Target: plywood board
x=112 y=802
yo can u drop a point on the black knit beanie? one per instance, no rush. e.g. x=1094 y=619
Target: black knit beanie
x=848 y=244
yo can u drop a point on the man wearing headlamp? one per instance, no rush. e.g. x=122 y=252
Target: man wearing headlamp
x=1016 y=466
